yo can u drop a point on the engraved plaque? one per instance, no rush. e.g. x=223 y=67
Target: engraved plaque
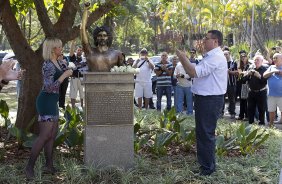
x=109 y=108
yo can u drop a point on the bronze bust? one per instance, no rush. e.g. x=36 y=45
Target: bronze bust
x=101 y=58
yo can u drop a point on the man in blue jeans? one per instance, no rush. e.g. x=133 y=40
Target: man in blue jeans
x=163 y=72
x=183 y=90
x=209 y=87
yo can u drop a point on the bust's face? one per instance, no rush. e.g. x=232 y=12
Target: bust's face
x=102 y=38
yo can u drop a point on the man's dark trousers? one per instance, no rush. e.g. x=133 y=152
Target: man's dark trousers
x=257 y=100
x=63 y=91
x=231 y=94
x=207 y=112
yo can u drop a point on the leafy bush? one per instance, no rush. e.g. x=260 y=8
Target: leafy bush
x=4 y=111
x=170 y=120
x=161 y=141
x=141 y=137
x=223 y=146
x=249 y=139
x=23 y=136
x=187 y=137
x=245 y=139
x=71 y=128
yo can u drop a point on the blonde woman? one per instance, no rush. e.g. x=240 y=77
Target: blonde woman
x=47 y=105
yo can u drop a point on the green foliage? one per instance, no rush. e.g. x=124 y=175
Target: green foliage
x=223 y=146
x=4 y=111
x=238 y=47
x=141 y=138
x=171 y=120
x=187 y=137
x=21 y=7
x=71 y=128
x=245 y=139
x=23 y=136
x=249 y=139
x=161 y=141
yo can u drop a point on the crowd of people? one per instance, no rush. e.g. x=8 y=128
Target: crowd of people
x=250 y=84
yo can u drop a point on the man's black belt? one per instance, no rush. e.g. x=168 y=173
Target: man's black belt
x=259 y=90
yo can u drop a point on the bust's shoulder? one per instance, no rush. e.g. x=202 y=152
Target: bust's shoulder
x=115 y=51
x=95 y=50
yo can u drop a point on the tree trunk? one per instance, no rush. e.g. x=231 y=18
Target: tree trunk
x=29 y=60
x=30 y=85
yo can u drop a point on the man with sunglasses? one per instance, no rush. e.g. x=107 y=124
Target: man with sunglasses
x=209 y=86
x=193 y=55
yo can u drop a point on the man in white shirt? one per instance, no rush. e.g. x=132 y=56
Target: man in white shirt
x=209 y=87
x=183 y=89
x=143 y=83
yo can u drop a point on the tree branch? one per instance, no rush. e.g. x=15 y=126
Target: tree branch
x=94 y=16
x=67 y=17
x=13 y=32
x=43 y=17
x=102 y=10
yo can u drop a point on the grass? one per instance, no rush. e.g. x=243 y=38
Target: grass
x=262 y=167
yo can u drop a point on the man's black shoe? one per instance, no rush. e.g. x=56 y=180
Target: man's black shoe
x=152 y=107
x=206 y=172
x=239 y=118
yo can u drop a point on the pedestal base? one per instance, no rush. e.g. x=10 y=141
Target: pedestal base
x=109 y=146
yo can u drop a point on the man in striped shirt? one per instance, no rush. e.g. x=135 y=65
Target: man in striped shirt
x=163 y=72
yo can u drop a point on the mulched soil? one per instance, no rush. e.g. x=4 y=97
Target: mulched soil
x=11 y=152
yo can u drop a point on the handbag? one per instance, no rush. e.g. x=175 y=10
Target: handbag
x=245 y=91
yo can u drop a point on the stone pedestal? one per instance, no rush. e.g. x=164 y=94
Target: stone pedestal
x=109 y=119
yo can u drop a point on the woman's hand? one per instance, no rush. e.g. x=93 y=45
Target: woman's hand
x=68 y=73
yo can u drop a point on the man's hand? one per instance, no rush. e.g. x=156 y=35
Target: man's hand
x=6 y=72
x=181 y=55
x=278 y=72
x=188 y=67
x=257 y=74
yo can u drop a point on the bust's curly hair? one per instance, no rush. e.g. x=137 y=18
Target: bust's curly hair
x=97 y=30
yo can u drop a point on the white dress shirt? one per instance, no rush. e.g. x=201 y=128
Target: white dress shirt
x=211 y=74
x=184 y=82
